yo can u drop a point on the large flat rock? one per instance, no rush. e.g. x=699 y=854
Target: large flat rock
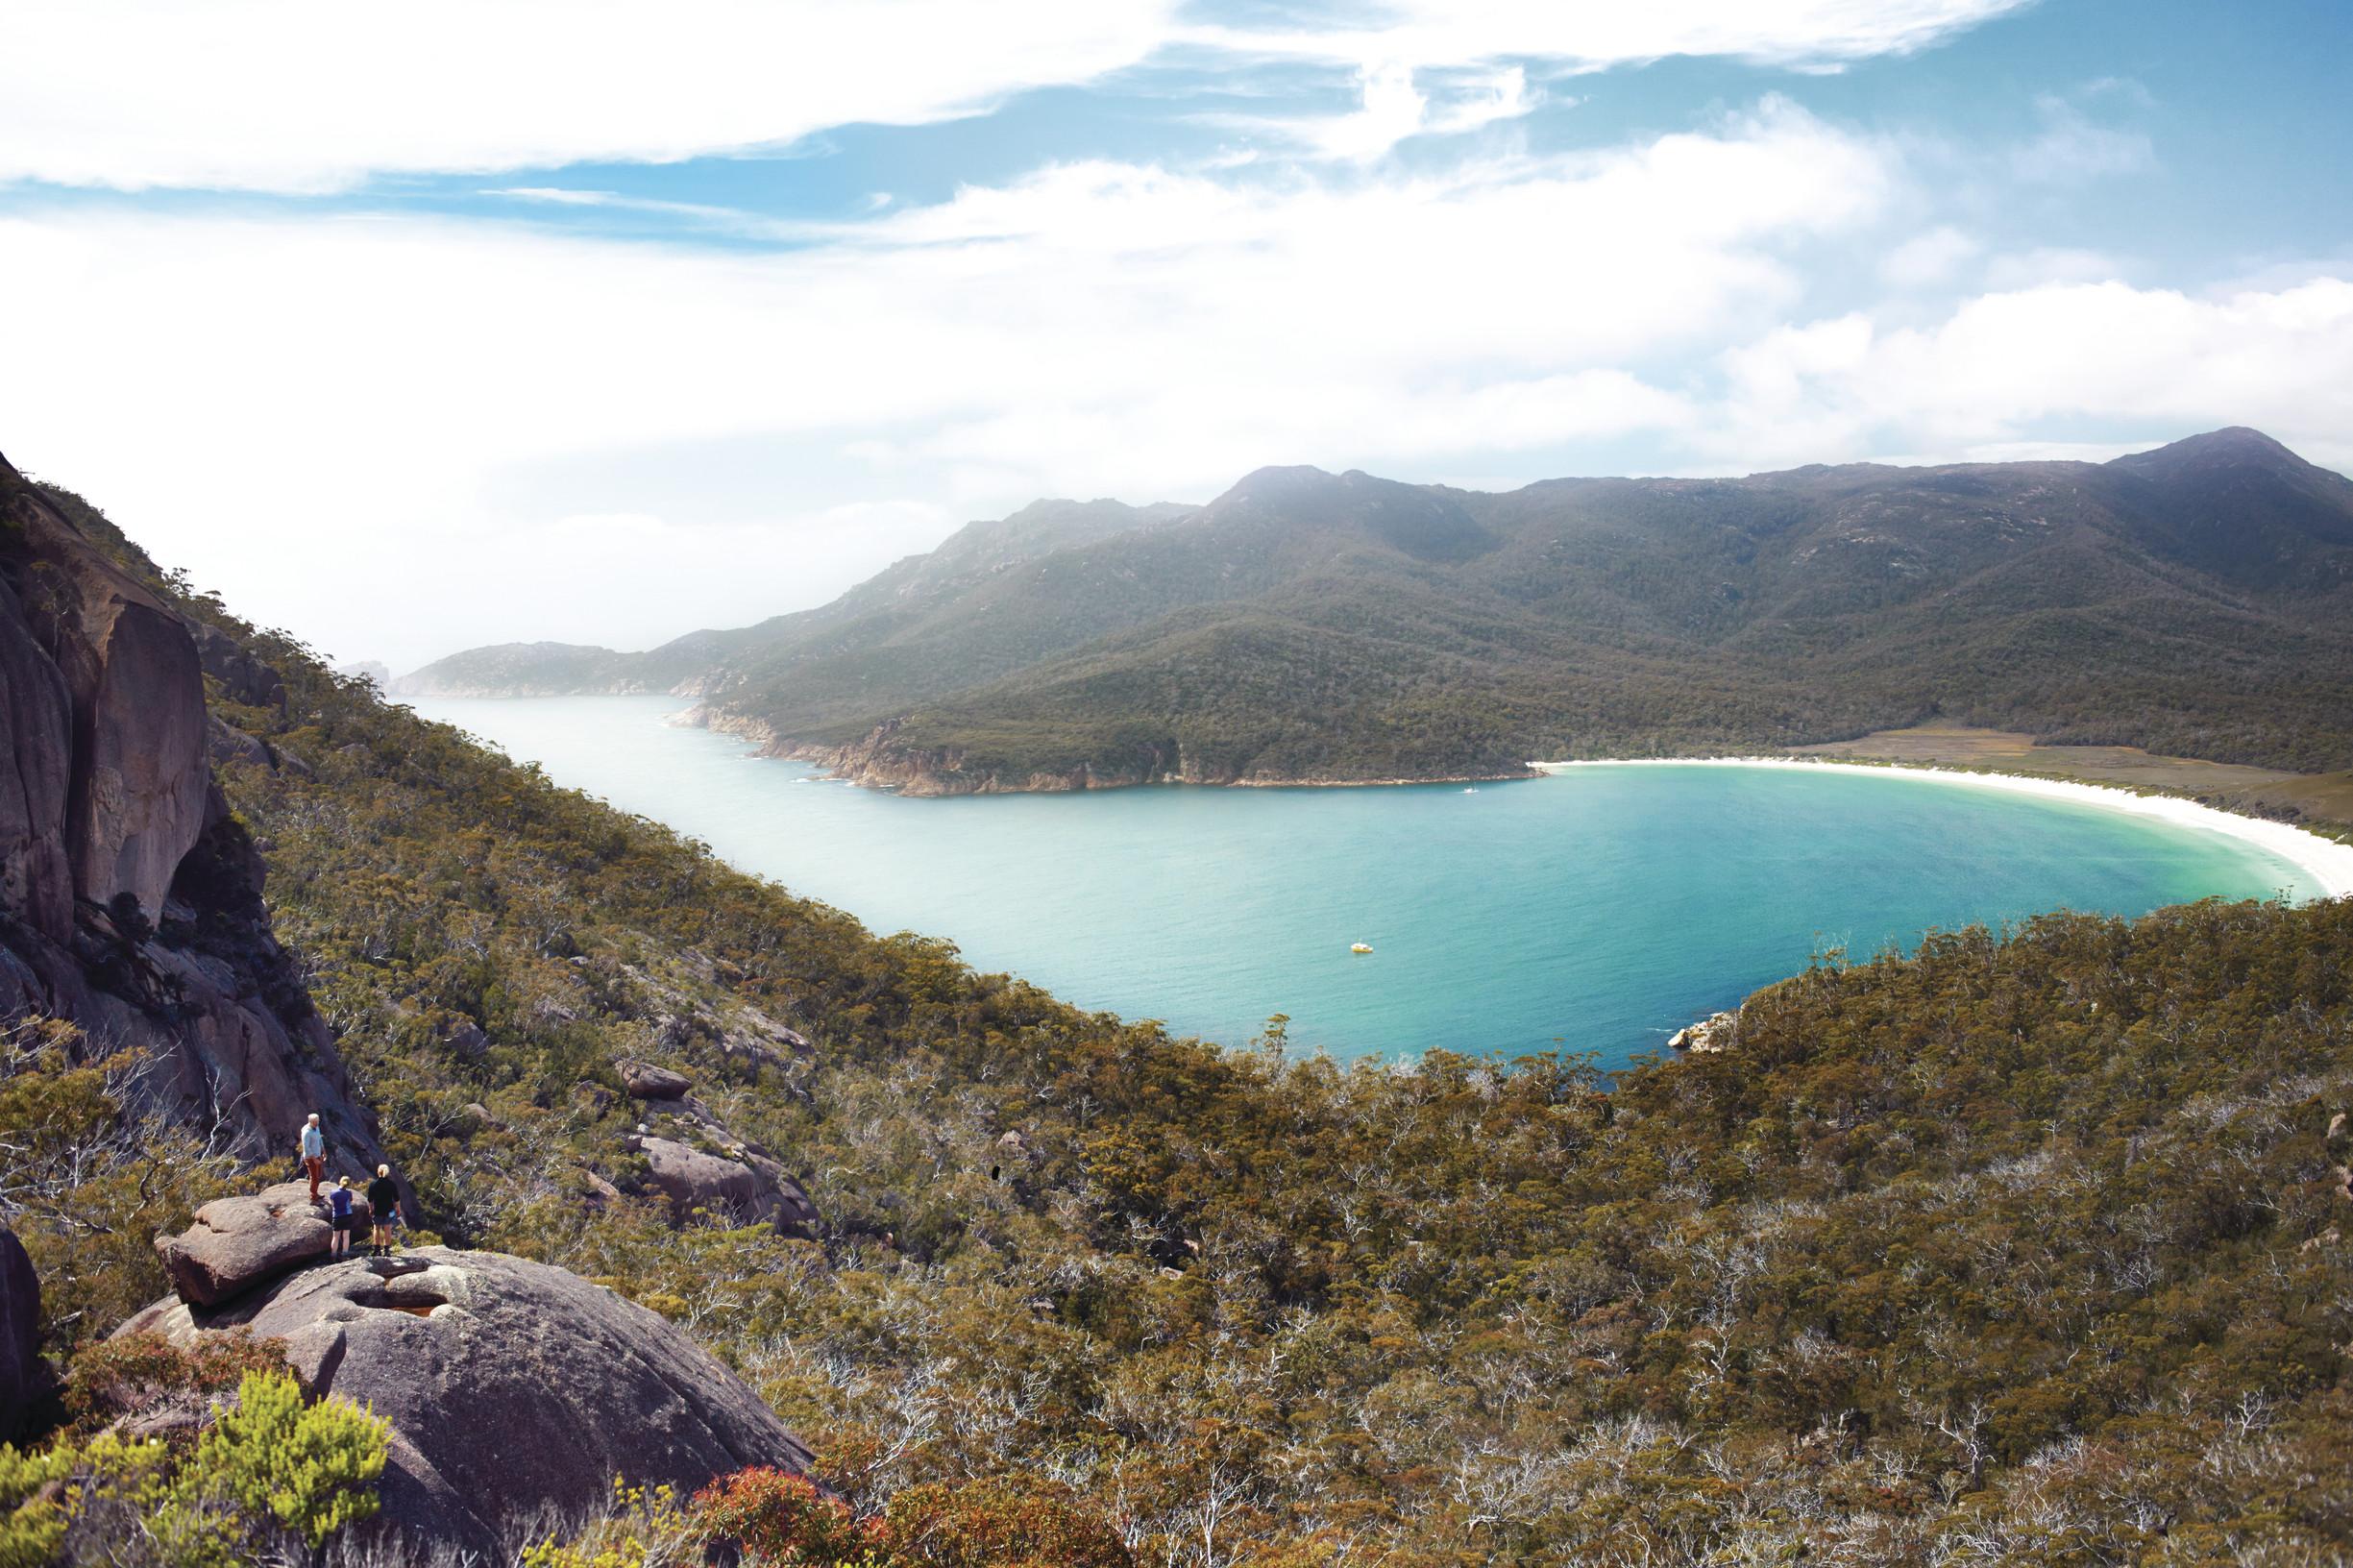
x=240 y=1242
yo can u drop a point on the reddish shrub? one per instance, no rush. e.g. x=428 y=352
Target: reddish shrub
x=777 y=1517
x=143 y=1373
x=1002 y=1522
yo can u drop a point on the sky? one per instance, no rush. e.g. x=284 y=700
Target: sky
x=408 y=328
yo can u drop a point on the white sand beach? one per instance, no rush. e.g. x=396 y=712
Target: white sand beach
x=2326 y=862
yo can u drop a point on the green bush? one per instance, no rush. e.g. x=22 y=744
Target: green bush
x=310 y=1469
x=271 y=1478
x=34 y=1525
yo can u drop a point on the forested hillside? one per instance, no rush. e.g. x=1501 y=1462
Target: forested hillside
x=2027 y=1249
x=2195 y=600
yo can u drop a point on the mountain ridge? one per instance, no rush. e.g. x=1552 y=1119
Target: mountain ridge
x=1312 y=627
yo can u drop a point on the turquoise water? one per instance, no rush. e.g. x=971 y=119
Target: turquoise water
x=1596 y=909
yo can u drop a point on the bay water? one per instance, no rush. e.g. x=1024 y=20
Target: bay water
x=1596 y=910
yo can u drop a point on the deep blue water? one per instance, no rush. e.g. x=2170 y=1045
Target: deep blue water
x=1596 y=909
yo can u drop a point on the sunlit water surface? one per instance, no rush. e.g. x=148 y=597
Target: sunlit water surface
x=1594 y=911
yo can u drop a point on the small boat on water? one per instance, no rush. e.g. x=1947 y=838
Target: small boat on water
x=1361 y=947
x=1471 y=790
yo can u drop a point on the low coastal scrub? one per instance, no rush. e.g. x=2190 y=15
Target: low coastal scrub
x=768 y=1519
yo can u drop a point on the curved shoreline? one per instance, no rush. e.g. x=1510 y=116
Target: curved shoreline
x=2328 y=863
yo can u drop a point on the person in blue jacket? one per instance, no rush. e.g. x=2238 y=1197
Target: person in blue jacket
x=339 y=1215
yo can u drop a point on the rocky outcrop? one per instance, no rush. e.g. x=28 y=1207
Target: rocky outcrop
x=243 y=677
x=237 y=1243
x=647 y=1082
x=24 y=1377
x=744 y=1187
x=1717 y=1032
x=130 y=897
x=747 y=1037
x=516 y=1392
x=226 y=743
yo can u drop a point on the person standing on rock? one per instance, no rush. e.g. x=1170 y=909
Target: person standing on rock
x=314 y=1154
x=384 y=1202
x=339 y=1215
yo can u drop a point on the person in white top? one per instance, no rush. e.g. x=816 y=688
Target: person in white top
x=314 y=1154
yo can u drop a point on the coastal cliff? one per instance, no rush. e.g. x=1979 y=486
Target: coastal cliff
x=129 y=895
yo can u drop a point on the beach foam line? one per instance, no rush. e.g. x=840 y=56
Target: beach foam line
x=2326 y=862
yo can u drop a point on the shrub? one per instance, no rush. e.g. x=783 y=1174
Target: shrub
x=140 y=1372
x=272 y=1478
x=645 y=1528
x=1002 y=1522
x=310 y=1469
x=777 y=1517
x=34 y=1525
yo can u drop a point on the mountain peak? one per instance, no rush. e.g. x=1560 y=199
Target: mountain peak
x=1411 y=519
x=2234 y=446
x=1278 y=482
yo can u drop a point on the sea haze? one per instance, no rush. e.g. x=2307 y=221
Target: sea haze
x=1595 y=911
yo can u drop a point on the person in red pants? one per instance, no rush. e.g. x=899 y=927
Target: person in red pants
x=314 y=1154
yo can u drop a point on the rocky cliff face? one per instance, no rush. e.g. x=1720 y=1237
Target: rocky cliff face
x=24 y=1377
x=130 y=898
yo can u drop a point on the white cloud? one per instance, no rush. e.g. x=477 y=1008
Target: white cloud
x=1592 y=37
x=1393 y=106
x=2015 y=270
x=634 y=579
x=1485 y=99
x=2155 y=359
x=1393 y=110
x=290 y=95
x=2073 y=451
x=700 y=213
x=2073 y=147
x=1928 y=258
x=343 y=420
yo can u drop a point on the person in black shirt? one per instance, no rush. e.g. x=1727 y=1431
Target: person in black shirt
x=384 y=1202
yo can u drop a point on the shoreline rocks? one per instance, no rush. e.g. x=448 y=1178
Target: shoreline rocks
x=1717 y=1032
